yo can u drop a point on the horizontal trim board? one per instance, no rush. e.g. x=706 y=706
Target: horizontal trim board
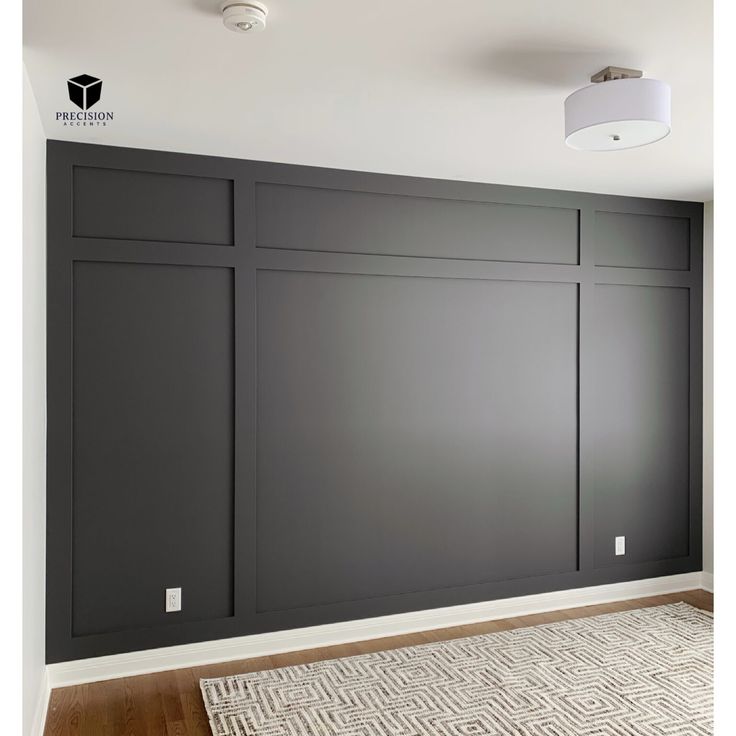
x=473 y=191
x=272 y=259
x=642 y=277
x=63 y=674
x=374 y=265
x=268 y=172
x=165 y=254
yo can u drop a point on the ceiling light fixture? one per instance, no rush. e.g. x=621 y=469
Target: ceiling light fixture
x=244 y=17
x=621 y=109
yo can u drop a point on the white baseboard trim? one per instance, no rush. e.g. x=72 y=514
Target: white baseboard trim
x=259 y=645
x=42 y=706
x=706 y=581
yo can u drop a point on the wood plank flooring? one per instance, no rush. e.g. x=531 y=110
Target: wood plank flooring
x=169 y=703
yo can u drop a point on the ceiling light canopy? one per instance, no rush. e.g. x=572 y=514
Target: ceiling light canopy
x=619 y=110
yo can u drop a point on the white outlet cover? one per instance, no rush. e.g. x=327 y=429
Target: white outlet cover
x=620 y=545
x=173 y=600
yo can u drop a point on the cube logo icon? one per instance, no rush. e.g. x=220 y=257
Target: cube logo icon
x=84 y=90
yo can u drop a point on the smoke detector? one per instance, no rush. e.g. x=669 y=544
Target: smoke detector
x=244 y=17
x=620 y=109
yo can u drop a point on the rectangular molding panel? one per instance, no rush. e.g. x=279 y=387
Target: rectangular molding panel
x=383 y=395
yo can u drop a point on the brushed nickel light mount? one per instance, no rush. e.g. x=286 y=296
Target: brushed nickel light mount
x=616 y=72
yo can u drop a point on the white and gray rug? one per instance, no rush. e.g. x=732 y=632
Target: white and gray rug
x=646 y=672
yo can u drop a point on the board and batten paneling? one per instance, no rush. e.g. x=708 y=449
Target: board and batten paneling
x=642 y=489
x=627 y=240
x=153 y=391
x=384 y=394
x=340 y=221
x=151 y=206
x=394 y=483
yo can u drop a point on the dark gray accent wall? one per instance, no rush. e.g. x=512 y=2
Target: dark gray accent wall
x=641 y=447
x=385 y=394
x=344 y=221
x=147 y=206
x=152 y=443
x=627 y=240
x=407 y=469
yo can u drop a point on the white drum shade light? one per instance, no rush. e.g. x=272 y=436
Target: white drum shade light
x=619 y=110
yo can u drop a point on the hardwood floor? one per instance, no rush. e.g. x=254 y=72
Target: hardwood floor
x=170 y=704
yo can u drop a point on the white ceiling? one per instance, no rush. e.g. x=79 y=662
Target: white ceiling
x=459 y=89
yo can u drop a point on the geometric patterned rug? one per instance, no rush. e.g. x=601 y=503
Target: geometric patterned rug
x=645 y=672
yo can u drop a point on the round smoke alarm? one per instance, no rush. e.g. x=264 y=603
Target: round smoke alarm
x=244 y=17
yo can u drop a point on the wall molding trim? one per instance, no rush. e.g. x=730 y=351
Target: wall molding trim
x=42 y=706
x=190 y=260
x=113 y=666
x=707 y=581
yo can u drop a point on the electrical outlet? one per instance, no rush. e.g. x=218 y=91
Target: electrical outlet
x=620 y=545
x=173 y=600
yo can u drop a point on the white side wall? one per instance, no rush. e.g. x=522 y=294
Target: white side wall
x=34 y=412
x=708 y=388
